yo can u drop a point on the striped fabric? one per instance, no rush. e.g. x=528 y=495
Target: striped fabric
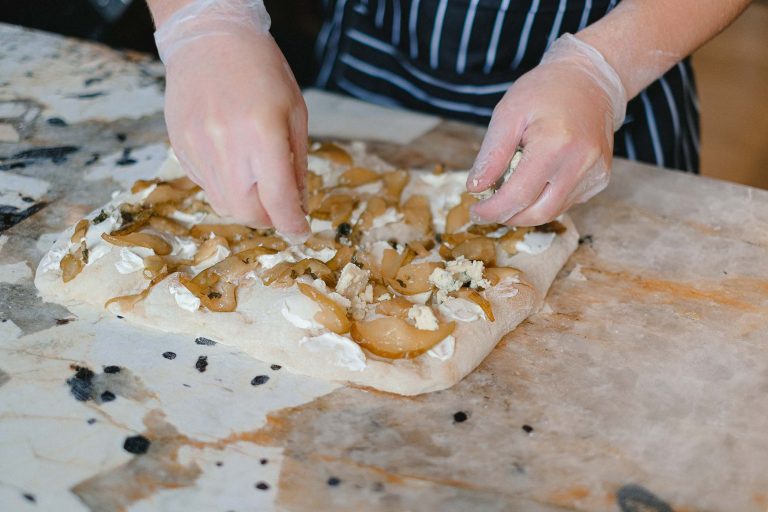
x=456 y=58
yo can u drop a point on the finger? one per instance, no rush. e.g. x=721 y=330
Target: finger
x=499 y=145
x=538 y=164
x=278 y=190
x=250 y=211
x=299 y=142
x=213 y=191
x=551 y=202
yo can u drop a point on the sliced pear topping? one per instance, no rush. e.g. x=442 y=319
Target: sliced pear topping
x=166 y=225
x=458 y=216
x=331 y=315
x=509 y=241
x=127 y=302
x=166 y=194
x=474 y=296
x=394 y=183
x=396 y=306
x=209 y=248
x=358 y=176
x=395 y=338
x=332 y=152
x=71 y=265
x=269 y=241
x=154 y=242
x=413 y=278
x=279 y=275
x=80 y=231
x=495 y=275
x=480 y=248
x=232 y=232
x=315 y=269
x=417 y=213
x=337 y=208
x=375 y=208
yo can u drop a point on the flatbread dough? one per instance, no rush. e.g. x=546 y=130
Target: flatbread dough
x=260 y=325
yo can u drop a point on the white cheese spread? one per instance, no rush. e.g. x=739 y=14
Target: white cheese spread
x=184 y=298
x=443 y=350
x=343 y=351
x=423 y=317
x=535 y=242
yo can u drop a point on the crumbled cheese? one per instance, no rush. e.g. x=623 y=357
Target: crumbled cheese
x=367 y=294
x=389 y=216
x=383 y=297
x=468 y=271
x=423 y=317
x=444 y=280
x=352 y=281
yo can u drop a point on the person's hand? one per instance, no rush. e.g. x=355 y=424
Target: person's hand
x=563 y=113
x=235 y=115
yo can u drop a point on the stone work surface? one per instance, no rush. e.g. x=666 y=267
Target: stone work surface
x=642 y=385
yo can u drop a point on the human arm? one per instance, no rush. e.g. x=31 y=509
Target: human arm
x=235 y=115
x=564 y=111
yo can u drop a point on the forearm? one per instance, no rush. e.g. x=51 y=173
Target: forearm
x=642 y=39
x=163 y=9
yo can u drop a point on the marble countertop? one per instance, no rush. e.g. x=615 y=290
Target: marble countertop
x=642 y=385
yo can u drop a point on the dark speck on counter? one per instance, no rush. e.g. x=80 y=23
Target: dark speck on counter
x=91 y=421
x=29 y=497
x=219 y=463
x=259 y=380
x=204 y=341
x=63 y=321
x=93 y=159
x=81 y=385
x=126 y=158
x=111 y=369
x=107 y=396
x=460 y=417
x=334 y=481
x=202 y=363
x=169 y=355
x=275 y=367
x=121 y=137
x=262 y=486
x=528 y=429
x=263 y=462
x=57 y=121
x=138 y=445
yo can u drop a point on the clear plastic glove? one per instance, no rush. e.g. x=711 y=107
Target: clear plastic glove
x=235 y=115
x=563 y=113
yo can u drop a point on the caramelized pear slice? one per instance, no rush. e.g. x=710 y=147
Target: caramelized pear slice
x=209 y=248
x=343 y=256
x=80 y=230
x=394 y=338
x=458 y=216
x=279 y=275
x=316 y=270
x=166 y=225
x=375 y=208
x=232 y=232
x=331 y=315
x=70 y=266
x=358 y=176
x=413 y=278
x=334 y=153
x=396 y=306
x=495 y=275
x=480 y=248
x=417 y=213
x=127 y=302
x=166 y=194
x=394 y=183
x=509 y=241
x=268 y=241
x=154 y=242
x=474 y=296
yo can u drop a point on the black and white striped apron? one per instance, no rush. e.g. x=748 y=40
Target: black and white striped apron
x=456 y=58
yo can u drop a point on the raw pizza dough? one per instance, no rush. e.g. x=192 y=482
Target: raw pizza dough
x=276 y=324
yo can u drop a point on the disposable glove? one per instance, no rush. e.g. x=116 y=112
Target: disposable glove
x=235 y=115
x=563 y=113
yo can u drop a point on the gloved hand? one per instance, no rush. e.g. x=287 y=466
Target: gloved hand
x=563 y=113
x=235 y=115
